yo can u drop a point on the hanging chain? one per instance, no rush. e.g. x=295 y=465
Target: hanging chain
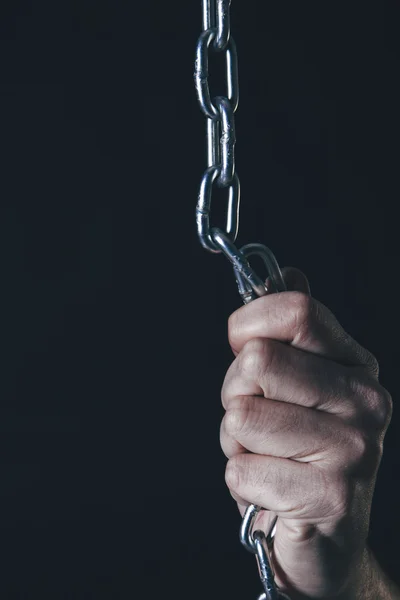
x=219 y=111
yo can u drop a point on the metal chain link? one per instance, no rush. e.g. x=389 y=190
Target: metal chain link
x=219 y=111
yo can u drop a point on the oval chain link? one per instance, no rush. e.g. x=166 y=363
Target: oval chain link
x=201 y=73
x=204 y=205
x=221 y=139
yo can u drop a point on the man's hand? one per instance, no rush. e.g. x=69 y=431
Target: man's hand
x=303 y=431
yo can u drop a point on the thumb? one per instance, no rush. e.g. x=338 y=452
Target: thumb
x=295 y=280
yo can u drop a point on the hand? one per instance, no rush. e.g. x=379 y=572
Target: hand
x=303 y=431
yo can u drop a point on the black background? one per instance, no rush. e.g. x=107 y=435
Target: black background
x=115 y=319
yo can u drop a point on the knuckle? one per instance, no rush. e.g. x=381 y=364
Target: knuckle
x=386 y=406
x=225 y=394
x=222 y=434
x=256 y=356
x=377 y=401
x=237 y=419
x=305 y=313
x=232 y=473
x=243 y=417
x=224 y=441
x=228 y=385
x=364 y=452
x=234 y=328
x=360 y=446
x=359 y=454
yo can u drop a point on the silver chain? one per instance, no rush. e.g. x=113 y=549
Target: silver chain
x=219 y=111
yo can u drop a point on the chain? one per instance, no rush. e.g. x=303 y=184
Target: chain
x=221 y=138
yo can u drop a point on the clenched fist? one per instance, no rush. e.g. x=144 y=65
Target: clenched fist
x=303 y=431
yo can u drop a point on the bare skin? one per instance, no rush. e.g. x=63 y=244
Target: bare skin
x=303 y=431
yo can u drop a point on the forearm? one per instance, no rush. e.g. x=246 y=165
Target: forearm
x=373 y=583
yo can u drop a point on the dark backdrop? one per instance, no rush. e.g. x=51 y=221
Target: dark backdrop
x=114 y=318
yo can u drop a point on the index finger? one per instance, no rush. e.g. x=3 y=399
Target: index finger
x=301 y=321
